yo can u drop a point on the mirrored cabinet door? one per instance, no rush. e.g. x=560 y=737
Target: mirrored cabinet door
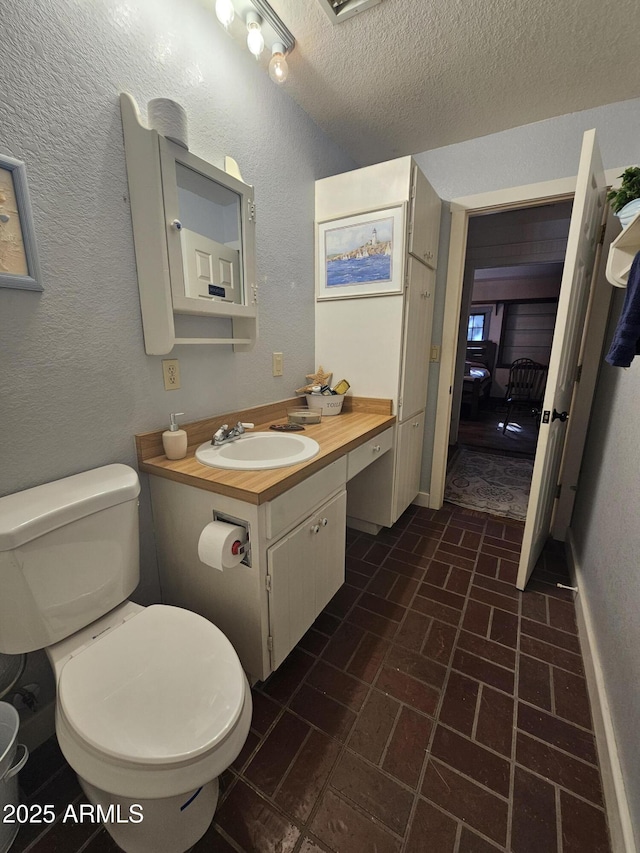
x=210 y=229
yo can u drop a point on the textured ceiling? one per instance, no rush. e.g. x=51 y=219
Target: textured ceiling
x=409 y=75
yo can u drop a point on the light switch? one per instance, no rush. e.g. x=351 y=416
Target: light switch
x=435 y=353
x=277 y=364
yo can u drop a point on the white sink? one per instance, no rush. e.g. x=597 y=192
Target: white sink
x=259 y=451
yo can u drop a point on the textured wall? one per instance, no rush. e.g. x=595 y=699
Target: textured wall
x=77 y=384
x=607 y=538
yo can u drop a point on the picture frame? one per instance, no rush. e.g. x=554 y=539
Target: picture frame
x=19 y=267
x=361 y=255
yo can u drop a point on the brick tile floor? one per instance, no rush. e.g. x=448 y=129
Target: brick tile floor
x=431 y=708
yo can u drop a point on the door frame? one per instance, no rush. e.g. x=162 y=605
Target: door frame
x=462 y=208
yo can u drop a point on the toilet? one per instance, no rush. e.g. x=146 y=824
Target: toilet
x=152 y=704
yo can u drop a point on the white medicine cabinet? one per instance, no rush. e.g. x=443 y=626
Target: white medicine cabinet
x=194 y=236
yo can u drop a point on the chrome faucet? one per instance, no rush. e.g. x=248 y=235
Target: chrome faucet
x=225 y=433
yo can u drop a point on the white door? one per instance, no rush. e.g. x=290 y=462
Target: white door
x=408 y=463
x=418 y=321
x=582 y=244
x=424 y=222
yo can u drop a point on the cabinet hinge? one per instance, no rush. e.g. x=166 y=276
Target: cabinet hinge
x=604 y=228
x=578 y=373
x=268 y=583
x=406 y=282
x=558 y=490
x=270 y=644
x=252 y=211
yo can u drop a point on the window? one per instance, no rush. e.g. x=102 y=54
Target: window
x=475 y=328
x=527 y=331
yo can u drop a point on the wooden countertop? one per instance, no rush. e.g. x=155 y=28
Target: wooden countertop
x=361 y=419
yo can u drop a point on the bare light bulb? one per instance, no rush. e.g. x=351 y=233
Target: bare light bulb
x=278 y=68
x=225 y=12
x=255 y=39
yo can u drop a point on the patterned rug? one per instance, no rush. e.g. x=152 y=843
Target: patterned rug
x=496 y=484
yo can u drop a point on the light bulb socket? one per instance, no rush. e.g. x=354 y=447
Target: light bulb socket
x=253 y=20
x=278 y=47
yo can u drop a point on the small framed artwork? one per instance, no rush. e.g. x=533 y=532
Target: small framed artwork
x=361 y=255
x=18 y=254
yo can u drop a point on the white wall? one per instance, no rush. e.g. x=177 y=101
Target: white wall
x=76 y=384
x=605 y=522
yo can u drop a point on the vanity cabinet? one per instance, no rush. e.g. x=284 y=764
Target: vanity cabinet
x=305 y=569
x=381 y=343
x=295 y=564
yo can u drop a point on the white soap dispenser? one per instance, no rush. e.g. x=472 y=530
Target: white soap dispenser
x=174 y=439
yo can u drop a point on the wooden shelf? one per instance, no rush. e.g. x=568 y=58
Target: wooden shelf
x=622 y=252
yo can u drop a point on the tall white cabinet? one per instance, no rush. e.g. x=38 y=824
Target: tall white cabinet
x=381 y=343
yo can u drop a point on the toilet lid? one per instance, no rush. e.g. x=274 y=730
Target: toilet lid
x=162 y=687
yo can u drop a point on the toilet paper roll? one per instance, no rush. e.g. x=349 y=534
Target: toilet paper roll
x=169 y=119
x=222 y=545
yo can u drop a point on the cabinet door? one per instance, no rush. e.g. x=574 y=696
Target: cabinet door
x=305 y=570
x=424 y=224
x=408 y=463
x=418 y=320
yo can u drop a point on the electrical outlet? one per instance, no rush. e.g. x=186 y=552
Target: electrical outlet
x=435 y=353
x=171 y=374
x=277 y=361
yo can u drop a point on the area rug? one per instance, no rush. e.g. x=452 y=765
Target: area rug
x=495 y=484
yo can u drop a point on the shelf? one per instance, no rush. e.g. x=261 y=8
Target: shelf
x=622 y=252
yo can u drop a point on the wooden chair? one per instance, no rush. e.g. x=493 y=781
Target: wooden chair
x=527 y=381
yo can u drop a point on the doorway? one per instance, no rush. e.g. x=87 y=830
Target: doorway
x=513 y=270
x=569 y=386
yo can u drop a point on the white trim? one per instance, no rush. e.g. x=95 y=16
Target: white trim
x=461 y=208
x=364 y=526
x=615 y=797
x=421 y=499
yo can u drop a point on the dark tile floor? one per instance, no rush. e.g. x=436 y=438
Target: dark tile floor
x=432 y=708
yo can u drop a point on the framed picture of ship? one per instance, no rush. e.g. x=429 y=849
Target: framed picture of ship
x=361 y=255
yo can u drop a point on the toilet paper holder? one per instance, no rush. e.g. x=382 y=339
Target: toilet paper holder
x=240 y=522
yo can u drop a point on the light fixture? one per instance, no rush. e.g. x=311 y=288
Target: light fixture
x=278 y=68
x=255 y=39
x=263 y=29
x=225 y=12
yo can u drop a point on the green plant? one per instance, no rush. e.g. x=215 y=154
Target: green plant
x=628 y=191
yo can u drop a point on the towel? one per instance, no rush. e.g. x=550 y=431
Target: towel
x=626 y=338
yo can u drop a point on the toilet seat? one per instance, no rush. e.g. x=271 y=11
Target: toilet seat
x=162 y=688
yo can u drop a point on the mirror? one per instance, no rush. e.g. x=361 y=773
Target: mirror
x=210 y=234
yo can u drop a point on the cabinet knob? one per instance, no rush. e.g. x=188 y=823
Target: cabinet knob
x=324 y=522
x=376 y=448
x=315 y=528
x=175 y=223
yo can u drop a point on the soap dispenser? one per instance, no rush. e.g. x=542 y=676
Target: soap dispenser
x=174 y=439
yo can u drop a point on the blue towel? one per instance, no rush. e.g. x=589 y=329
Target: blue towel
x=626 y=338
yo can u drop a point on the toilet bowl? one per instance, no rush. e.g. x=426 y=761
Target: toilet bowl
x=152 y=703
x=149 y=714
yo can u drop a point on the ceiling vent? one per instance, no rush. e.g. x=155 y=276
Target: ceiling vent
x=340 y=10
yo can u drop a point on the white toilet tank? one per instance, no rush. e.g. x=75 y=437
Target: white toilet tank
x=69 y=553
